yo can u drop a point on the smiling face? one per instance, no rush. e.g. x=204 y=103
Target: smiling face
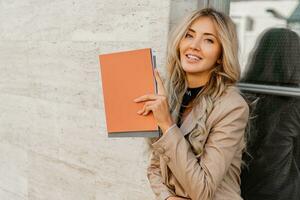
x=200 y=51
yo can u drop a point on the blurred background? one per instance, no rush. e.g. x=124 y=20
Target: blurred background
x=53 y=140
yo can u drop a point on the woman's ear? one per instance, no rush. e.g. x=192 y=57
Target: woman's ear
x=219 y=61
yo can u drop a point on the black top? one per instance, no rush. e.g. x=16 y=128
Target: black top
x=189 y=95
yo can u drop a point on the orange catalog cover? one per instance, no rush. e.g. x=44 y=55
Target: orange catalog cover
x=125 y=76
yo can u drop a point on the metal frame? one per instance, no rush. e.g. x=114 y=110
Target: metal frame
x=270 y=89
x=224 y=6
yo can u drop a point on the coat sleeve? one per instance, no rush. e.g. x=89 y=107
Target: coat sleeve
x=201 y=178
x=161 y=191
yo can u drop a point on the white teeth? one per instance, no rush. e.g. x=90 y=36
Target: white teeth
x=193 y=57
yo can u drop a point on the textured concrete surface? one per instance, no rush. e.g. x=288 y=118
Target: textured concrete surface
x=53 y=143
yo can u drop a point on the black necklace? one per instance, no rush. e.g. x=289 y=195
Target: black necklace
x=188 y=96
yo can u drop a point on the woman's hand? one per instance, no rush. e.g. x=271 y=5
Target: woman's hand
x=158 y=104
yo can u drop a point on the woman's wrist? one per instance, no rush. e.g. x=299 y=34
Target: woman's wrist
x=165 y=127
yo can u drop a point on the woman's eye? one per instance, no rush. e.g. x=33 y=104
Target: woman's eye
x=188 y=35
x=209 y=41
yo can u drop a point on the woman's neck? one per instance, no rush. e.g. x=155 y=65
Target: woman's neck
x=195 y=81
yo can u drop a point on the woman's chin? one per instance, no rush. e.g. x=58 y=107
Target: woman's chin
x=190 y=67
x=190 y=70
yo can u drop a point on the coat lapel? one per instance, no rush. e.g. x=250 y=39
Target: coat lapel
x=188 y=123
x=191 y=119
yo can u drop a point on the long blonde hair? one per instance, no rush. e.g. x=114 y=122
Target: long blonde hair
x=223 y=75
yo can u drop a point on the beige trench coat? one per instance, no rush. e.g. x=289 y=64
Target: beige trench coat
x=174 y=169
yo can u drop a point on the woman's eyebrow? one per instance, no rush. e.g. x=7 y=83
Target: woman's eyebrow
x=192 y=30
x=209 y=34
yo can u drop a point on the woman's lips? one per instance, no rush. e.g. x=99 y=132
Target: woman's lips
x=192 y=58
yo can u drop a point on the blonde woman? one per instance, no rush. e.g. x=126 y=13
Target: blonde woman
x=201 y=113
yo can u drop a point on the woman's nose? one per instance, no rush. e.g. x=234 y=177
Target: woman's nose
x=195 y=44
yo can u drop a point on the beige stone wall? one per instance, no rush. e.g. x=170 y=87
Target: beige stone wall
x=53 y=144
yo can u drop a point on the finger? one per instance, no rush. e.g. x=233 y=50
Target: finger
x=146 y=97
x=141 y=111
x=149 y=103
x=148 y=108
x=146 y=111
x=160 y=85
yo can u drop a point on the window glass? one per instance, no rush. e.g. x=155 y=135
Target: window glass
x=268 y=34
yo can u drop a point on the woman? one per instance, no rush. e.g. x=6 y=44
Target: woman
x=273 y=167
x=202 y=115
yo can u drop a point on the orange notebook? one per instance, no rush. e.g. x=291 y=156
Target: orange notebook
x=126 y=76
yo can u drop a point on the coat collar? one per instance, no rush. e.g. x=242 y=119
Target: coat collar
x=188 y=123
x=190 y=120
x=197 y=112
